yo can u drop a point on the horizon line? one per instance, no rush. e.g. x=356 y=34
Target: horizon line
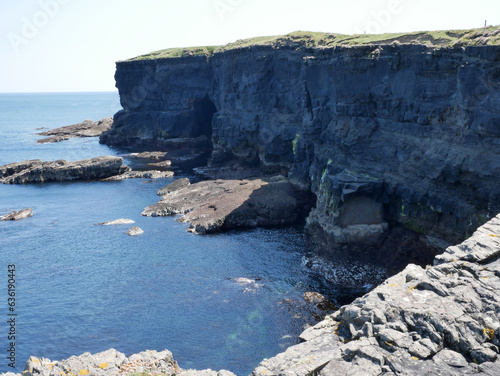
x=59 y=92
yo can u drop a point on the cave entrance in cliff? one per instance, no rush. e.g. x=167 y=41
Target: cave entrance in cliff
x=205 y=110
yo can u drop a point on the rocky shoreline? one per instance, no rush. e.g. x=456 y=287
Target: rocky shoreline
x=106 y=168
x=439 y=320
x=216 y=205
x=88 y=128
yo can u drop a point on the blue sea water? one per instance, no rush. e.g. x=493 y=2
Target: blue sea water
x=82 y=287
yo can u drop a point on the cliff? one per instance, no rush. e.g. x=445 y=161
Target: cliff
x=398 y=136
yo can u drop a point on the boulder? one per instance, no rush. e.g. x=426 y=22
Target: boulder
x=134 y=231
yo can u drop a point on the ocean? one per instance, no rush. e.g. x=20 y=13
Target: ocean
x=87 y=288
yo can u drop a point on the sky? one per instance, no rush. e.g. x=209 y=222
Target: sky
x=72 y=45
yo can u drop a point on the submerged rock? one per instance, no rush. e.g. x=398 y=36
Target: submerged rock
x=17 y=215
x=36 y=171
x=88 y=128
x=319 y=300
x=134 y=231
x=216 y=205
x=119 y=221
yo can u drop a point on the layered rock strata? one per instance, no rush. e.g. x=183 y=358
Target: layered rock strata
x=441 y=320
x=88 y=128
x=387 y=136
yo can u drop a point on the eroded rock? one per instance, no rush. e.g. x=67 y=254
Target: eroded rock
x=88 y=128
x=36 y=171
x=216 y=205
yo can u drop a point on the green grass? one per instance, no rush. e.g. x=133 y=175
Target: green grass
x=305 y=39
x=178 y=52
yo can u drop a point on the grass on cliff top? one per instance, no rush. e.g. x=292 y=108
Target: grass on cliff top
x=485 y=36
x=178 y=52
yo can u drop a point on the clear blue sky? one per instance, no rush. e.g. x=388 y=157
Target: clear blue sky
x=72 y=45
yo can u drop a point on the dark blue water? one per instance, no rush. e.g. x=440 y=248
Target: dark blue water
x=82 y=287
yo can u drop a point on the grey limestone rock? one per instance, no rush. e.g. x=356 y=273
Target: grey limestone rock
x=441 y=320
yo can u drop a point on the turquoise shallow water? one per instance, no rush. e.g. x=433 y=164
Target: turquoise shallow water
x=82 y=287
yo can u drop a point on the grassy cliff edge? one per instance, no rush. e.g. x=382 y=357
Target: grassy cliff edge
x=487 y=36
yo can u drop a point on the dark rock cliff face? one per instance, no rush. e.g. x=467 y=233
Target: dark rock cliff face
x=161 y=102
x=389 y=138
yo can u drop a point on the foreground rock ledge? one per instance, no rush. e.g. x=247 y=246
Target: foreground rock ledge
x=110 y=363
x=442 y=320
x=88 y=128
x=217 y=205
